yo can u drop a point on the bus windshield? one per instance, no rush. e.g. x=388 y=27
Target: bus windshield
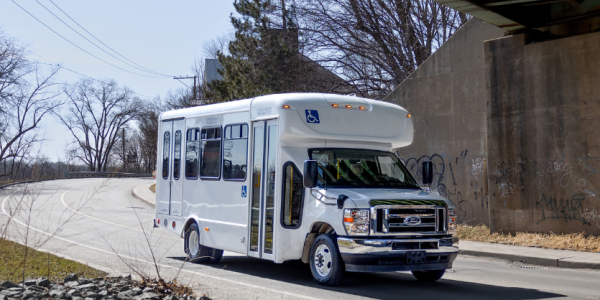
x=359 y=168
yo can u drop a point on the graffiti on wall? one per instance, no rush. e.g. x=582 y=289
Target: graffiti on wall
x=508 y=176
x=566 y=209
x=445 y=180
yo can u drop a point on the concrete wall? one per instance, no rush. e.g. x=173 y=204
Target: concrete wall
x=544 y=134
x=446 y=96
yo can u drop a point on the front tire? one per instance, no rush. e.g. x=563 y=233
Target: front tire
x=326 y=264
x=429 y=276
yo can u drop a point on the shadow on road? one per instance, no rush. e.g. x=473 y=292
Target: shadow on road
x=377 y=285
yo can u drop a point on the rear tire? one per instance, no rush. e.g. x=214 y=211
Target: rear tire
x=196 y=252
x=429 y=276
x=326 y=264
x=215 y=257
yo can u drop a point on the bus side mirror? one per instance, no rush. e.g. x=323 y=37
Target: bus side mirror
x=310 y=174
x=427 y=173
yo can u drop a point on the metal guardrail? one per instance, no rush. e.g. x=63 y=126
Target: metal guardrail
x=88 y=174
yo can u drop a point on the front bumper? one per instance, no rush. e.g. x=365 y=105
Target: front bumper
x=387 y=255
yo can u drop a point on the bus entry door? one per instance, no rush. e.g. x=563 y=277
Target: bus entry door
x=171 y=184
x=262 y=208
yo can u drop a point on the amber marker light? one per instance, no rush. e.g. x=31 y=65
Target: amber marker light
x=173 y=224
x=206 y=229
x=334 y=105
x=349 y=220
x=348 y=106
x=286 y=106
x=409 y=115
x=361 y=107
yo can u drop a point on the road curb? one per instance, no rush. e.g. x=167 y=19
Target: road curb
x=539 y=261
x=143 y=192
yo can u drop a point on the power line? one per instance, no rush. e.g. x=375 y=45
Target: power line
x=13 y=1
x=93 y=42
x=83 y=75
x=145 y=69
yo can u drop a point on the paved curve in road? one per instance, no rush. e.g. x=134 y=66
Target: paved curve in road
x=99 y=222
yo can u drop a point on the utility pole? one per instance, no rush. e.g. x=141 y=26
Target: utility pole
x=124 y=152
x=189 y=77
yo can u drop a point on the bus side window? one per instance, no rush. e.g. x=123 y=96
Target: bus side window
x=293 y=195
x=166 y=150
x=235 y=152
x=192 y=152
x=210 y=165
x=177 y=155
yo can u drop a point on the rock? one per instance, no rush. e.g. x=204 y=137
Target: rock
x=171 y=297
x=124 y=295
x=31 y=294
x=148 y=296
x=71 y=277
x=57 y=294
x=103 y=293
x=35 y=288
x=71 y=284
x=12 y=292
x=76 y=298
x=74 y=293
x=89 y=286
x=128 y=277
x=29 y=282
x=42 y=282
x=124 y=288
x=148 y=290
x=84 y=281
x=8 y=285
x=136 y=291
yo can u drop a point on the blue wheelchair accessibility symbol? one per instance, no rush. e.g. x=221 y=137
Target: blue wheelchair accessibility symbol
x=312 y=116
x=244 y=191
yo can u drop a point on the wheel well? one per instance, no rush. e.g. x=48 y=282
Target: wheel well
x=316 y=229
x=188 y=223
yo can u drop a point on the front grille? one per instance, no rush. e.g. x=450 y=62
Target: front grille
x=390 y=219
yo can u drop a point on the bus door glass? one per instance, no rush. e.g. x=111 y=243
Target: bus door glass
x=178 y=167
x=170 y=191
x=262 y=208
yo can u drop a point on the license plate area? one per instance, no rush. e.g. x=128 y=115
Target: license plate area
x=416 y=257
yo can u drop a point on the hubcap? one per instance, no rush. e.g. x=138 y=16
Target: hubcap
x=322 y=260
x=193 y=243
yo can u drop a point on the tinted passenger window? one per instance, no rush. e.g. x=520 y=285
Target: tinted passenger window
x=177 y=155
x=210 y=165
x=166 y=149
x=235 y=152
x=192 y=153
x=293 y=194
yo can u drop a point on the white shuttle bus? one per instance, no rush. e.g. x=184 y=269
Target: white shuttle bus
x=301 y=176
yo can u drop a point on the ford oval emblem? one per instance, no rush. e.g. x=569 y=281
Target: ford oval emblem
x=412 y=220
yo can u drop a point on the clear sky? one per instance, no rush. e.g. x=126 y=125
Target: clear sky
x=162 y=36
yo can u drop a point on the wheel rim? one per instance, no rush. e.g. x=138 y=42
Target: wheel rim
x=193 y=243
x=323 y=261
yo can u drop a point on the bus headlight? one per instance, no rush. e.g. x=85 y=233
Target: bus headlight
x=451 y=221
x=356 y=221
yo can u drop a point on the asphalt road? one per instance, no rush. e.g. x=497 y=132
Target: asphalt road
x=99 y=222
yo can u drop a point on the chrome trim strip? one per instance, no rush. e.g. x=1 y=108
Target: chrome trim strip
x=410 y=215
x=384 y=246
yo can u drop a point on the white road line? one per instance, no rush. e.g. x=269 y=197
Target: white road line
x=78 y=212
x=149 y=262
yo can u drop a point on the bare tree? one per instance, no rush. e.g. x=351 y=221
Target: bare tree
x=97 y=111
x=374 y=44
x=27 y=95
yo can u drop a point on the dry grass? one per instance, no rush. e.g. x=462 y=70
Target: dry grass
x=573 y=241
x=153 y=188
x=39 y=264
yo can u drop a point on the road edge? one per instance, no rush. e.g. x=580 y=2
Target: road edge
x=538 y=261
x=143 y=193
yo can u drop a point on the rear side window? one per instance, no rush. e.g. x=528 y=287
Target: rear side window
x=210 y=165
x=192 y=153
x=166 y=150
x=177 y=155
x=235 y=152
x=293 y=195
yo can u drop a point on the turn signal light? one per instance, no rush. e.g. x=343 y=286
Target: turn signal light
x=349 y=220
x=286 y=106
x=409 y=115
x=334 y=105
